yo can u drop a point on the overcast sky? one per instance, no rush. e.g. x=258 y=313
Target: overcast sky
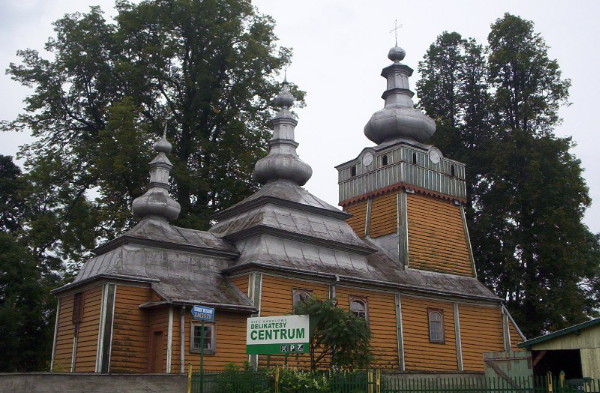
x=340 y=47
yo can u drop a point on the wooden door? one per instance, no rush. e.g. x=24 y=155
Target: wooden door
x=156 y=352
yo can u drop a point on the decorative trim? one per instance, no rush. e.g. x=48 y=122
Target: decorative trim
x=398 y=186
x=468 y=240
x=400 y=333
x=368 y=216
x=170 y=340
x=101 y=325
x=182 y=339
x=459 y=354
x=402 y=217
x=55 y=335
x=505 y=331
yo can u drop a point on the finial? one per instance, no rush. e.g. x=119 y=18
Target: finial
x=395 y=30
x=156 y=202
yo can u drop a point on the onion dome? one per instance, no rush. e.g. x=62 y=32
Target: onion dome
x=398 y=118
x=156 y=202
x=282 y=162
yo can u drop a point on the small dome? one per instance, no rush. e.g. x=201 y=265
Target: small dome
x=284 y=99
x=163 y=145
x=396 y=54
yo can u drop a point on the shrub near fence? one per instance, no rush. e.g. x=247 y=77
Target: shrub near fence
x=297 y=381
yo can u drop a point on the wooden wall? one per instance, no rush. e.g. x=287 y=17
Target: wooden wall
x=480 y=331
x=241 y=282
x=158 y=321
x=515 y=337
x=358 y=219
x=381 y=315
x=129 y=352
x=419 y=353
x=436 y=236
x=384 y=211
x=87 y=343
x=276 y=299
x=230 y=346
x=64 y=335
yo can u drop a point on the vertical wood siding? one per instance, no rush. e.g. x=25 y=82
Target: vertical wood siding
x=480 y=332
x=241 y=282
x=381 y=315
x=64 y=335
x=276 y=299
x=159 y=321
x=230 y=346
x=419 y=353
x=87 y=343
x=383 y=215
x=358 y=219
x=130 y=331
x=436 y=236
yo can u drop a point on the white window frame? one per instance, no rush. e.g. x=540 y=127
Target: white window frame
x=212 y=347
x=431 y=314
x=365 y=304
x=297 y=293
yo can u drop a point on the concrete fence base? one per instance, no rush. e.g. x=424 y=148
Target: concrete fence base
x=91 y=383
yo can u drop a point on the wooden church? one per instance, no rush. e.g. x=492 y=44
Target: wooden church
x=398 y=255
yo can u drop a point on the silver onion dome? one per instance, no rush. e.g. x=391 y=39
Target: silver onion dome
x=398 y=118
x=282 y=162
x=156 y=202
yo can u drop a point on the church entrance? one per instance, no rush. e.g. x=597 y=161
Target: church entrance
x=156 y=352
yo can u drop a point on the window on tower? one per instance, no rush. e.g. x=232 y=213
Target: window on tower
x=414 y=158
x=384 y=160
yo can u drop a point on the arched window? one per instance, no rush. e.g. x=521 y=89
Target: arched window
x=384 y=160
x=358 y=307
x=436 y=325
x=300 y=296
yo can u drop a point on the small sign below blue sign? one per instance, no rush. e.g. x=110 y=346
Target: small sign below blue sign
x=203 y=313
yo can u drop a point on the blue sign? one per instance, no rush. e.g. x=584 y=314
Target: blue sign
x=203 y=313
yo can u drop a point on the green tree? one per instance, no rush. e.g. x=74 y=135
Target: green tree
x=338 y=338
x=527 y=192
x=26 y=307
x=204 y=68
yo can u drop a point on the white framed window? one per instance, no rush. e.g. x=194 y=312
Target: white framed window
x=436 y=325
x=300 y=296
x=358 y=306
x=209 y=337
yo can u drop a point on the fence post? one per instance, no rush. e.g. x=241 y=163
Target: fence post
x=189 y=385
x=378 y=381
x=370 y=381
x=549 y=382
x=277 y=380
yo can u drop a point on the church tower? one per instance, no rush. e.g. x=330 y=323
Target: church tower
x=403 y=194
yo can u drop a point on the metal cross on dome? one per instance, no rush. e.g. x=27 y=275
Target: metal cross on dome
x=395 y=30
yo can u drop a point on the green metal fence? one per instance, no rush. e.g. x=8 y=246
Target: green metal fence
x=373 y=381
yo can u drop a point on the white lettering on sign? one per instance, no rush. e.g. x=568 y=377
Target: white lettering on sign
x=277 y=330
